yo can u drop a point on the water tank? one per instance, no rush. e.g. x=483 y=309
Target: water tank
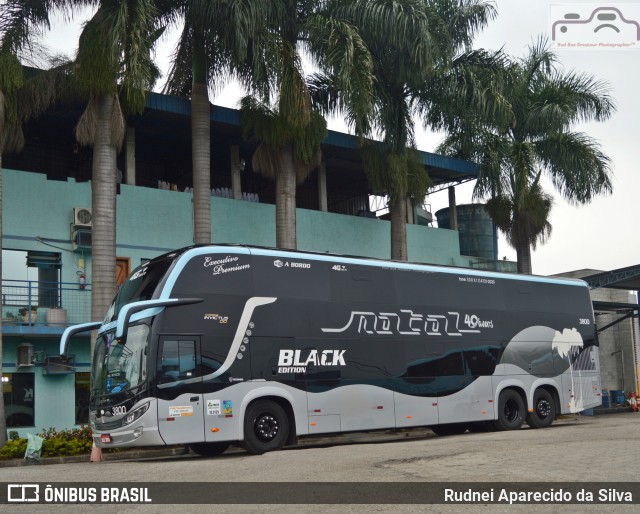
x=475 y=228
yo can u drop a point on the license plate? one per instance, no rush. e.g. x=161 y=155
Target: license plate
x=105 y=438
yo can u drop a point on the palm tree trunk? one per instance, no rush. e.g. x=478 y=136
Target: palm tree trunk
x=523 y=252
x=201 y=150
x=286 y=200
x=103 y=202
x=398 y=211
x=3 y=419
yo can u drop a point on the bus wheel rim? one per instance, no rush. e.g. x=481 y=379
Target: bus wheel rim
x=543 y=408
x=511 y=410
x=267 y=427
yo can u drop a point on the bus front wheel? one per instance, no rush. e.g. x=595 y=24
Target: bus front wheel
x=511 y=411
x=266 y=427
x=544 y=410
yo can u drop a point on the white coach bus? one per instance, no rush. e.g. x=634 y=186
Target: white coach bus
x=216 y=345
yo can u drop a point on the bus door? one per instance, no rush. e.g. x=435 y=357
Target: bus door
x=179 y=390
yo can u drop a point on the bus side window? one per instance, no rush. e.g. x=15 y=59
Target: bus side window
x=177 y=361
x=481 y=362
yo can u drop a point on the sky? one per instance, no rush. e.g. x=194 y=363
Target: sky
x=597 y=236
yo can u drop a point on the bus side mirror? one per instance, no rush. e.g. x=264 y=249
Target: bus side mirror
x=69 y=332
x=122 y=326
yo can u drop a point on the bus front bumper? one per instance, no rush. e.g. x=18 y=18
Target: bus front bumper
x=141 y=432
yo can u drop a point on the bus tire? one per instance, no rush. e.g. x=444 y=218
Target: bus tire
x=449 y=429
x=544 y=409
x=209 y=449
x=511 y=411
x=266 y=427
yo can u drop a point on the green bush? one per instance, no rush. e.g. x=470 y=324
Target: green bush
x=14 y=449
x=75 y=441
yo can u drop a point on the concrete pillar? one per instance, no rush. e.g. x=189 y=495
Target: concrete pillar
x=453 y=213
x=410 y=212
x=322 y=187
x=236 y=183
x=130 y=157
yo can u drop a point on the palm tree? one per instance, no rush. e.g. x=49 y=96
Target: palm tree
x=414 y=45
x=279 y=113
x=538 y=139
x=114 y=68
x=215 y=34
x=22 y=97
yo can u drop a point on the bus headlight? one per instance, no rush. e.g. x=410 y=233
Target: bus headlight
x=134 y=414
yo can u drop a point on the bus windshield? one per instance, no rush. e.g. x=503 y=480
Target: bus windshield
x=117 y=368
x=140 y=285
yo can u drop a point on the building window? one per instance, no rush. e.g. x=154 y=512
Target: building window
x=18 y=392
x=31 y=278
x=82 y=398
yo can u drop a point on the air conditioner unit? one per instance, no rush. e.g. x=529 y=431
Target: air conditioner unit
x=81 y=239
x=82 y=217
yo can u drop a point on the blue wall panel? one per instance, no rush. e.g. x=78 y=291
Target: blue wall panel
x=37 y=215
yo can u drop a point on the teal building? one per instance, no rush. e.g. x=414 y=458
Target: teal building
x=47 y=223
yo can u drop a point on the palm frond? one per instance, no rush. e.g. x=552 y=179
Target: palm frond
x=462 y=19
x=114 y=51
x=98 y=56
x=418 y=180
x=545 y=102
x=578 y=167
x=140 y=73
x=11 y=135
x=2 y=119
x=180 y=73
x=275 y=132
x=44 y=87
x=474 y=85
x=86 y=128
x=26 y=93
x=528 y=224
x=395 y=23
x=87 y=124
x=21 y=22
x=346 y=61
x=11 y=80
x=399 y=175
x=294 y=102
x=540 y=60
x=266 y=161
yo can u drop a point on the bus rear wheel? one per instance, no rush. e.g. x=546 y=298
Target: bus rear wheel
x=511 y=411
x=209 y=449
x=544 y=410
x=266 y=427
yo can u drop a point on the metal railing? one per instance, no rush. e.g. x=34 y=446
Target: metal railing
x=380 y=204
x=28 y=302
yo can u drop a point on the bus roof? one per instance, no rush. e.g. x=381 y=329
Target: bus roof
x=191 y=251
